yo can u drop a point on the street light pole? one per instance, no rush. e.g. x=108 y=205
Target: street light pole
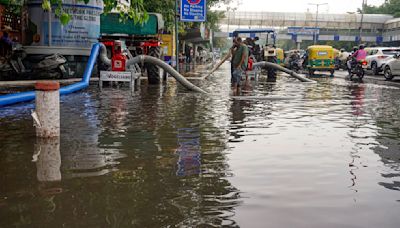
x=364 y=2
x=316 y=19
x=227 y=11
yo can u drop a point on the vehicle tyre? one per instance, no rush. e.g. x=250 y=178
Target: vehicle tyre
x=153 y=71
x=344 y=66
x=60 y=73
x=374 y=68
x=271 y=73
x=311 y=72
x=361 y=74
x=387 y=73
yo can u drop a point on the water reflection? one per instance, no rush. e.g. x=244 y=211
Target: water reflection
x=81 y=131
x=188 y=151
x=170 y=158
x=48 y=159
x=386 y=113
x=357 y=96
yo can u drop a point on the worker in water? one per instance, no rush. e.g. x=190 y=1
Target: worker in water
x=239 y=63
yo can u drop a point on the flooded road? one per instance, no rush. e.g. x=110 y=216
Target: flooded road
x=300 y=155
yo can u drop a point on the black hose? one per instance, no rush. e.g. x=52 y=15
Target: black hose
x=181 y=79
x=283 y=69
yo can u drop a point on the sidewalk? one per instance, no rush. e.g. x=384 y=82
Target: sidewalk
x=194 y=70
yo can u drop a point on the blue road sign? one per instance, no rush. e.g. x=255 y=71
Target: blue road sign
x=379 y=39
x=336 y=37
x=193 y=10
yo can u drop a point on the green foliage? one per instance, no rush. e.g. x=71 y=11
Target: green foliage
x=391 y=7
x=167 y=9
x=136 y=11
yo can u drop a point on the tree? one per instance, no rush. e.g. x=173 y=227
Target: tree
x=391 y=7
x=136 y=10
x=167 y=9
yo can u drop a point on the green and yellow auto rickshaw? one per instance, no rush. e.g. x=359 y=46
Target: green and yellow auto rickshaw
x=320 y=58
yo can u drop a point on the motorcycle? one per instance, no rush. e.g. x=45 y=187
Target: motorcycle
x=340 y=64
x=26 y=66
x=295 y=65
x=358 y=69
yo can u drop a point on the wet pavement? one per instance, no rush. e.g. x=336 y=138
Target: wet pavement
x=285 y=154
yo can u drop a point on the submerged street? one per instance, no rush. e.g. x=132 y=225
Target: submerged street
x=284 y=154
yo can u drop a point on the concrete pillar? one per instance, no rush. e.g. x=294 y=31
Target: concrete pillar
x=48 y=159
x=298 y=45
x=47 y=111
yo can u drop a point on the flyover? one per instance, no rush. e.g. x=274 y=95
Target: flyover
x=376 y=28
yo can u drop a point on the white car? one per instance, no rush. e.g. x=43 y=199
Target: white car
x=392 y=67
x=378 y=56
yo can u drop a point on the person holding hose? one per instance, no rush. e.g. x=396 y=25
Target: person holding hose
x=239 y=63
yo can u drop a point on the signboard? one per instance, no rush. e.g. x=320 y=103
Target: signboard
x=168 y=49
x=193 y=10
x=336 y=37
x=82 y=31
x=119 y=76
x=302 y=31
x=379 y=39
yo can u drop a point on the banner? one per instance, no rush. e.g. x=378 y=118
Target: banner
x=302 y=31
x=82 y=30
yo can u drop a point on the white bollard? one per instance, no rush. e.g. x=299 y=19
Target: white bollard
x=47 y=109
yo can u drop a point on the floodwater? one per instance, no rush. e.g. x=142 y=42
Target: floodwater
x=314 y=155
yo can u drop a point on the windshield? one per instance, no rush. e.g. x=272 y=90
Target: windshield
x=390 y=51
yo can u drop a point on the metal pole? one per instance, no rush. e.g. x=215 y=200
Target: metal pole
x=49 y=30
x=228 y=20
x=364 y=2
x=316 y=19
x=316 y=26
x=176 y=36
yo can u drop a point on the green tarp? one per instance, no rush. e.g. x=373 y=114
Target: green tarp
x=111 y=24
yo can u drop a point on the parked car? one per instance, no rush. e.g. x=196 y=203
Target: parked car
x=377 y=56
x=392 y=67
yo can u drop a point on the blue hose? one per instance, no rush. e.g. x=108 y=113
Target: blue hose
x=14 y=98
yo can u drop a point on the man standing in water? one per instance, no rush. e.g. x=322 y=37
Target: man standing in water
x=239 y=63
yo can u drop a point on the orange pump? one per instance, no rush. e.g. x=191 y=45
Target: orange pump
x=118 y=60
x=250 y=64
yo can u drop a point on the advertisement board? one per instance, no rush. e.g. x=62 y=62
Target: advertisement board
x=302 y=31
x=82 y=31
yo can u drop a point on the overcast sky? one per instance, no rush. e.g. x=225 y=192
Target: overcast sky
x=333 y=6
